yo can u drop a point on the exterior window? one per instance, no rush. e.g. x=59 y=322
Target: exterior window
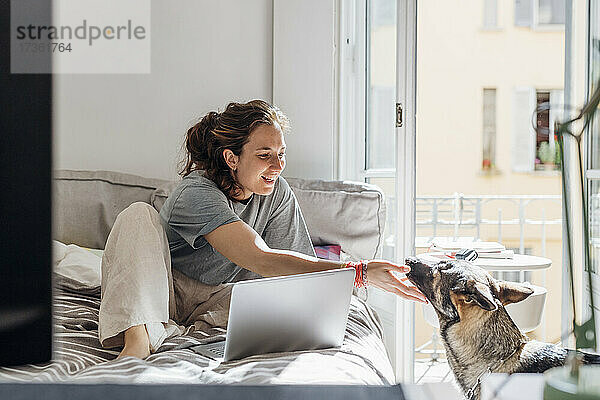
x=544 y=154
x=489 y=130
x=551 y=12
x=523 y=12
x=539 y=12
x=546 y=150
x=490 y=14
x=535 y=149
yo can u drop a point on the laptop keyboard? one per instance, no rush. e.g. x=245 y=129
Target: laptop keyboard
x=216 y=350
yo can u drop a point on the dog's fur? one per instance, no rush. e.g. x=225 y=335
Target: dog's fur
x=476 y=330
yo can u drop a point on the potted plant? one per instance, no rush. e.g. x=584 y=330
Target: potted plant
x=546 y=155
x=486 y=165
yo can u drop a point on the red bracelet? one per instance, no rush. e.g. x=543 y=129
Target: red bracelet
x=360 y=278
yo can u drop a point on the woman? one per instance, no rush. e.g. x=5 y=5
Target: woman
x=232 y=217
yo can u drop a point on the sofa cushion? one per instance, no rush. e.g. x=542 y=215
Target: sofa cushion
x=86 y=203
x=350 y=214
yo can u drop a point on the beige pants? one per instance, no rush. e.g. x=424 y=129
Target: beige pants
x=139 y=287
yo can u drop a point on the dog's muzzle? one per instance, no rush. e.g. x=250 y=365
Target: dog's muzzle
x=418 y=270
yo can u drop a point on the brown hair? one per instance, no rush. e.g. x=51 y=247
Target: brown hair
x=230 y=129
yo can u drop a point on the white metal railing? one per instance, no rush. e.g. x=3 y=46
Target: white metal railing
x=458 y=211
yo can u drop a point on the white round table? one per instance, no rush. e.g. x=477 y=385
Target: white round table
x=519 y=262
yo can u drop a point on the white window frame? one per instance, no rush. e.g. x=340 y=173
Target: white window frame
x=484 y=27
x=535 y=17
x=406 y=91
x=572 y=92
x=352 y=143
x=590 y=175
x=351 y=89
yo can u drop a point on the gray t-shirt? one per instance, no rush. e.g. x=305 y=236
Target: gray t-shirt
x=197 y=207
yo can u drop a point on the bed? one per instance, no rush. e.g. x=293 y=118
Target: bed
x=86 y=204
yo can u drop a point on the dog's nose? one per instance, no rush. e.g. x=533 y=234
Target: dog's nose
x=417 y=267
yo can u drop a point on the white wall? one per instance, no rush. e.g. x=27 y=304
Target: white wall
x=304 y=83
x=204 y=54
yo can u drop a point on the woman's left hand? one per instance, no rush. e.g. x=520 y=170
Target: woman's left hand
x=380 y=273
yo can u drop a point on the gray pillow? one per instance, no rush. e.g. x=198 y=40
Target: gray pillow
x=86 y=203
x=350 y=214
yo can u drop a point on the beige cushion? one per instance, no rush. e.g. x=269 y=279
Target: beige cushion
x=86 y=204
x=350 y=214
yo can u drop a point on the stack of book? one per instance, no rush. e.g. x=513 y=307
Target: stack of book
x=483 y=249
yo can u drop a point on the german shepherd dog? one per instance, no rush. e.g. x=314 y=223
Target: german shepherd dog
x=477 y=332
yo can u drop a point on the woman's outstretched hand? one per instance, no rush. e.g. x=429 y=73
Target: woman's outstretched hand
x=379 y=274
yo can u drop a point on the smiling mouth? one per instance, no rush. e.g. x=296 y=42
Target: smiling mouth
x=269 y=180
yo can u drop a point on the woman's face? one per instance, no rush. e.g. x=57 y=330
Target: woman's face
x=261 y=161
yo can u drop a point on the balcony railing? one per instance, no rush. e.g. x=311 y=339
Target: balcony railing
x=460 y=215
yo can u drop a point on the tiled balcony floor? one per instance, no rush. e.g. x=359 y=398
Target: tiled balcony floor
x=427 y=371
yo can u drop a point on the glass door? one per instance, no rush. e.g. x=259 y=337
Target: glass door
x=438 y=103
x=592 y=173
x=490 y=78
x=389 y=155
x=377 y=139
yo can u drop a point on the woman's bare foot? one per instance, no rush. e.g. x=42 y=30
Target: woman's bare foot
x=137 y=342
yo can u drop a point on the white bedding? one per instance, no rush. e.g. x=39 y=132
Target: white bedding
x=78 y=356
x=77 y=263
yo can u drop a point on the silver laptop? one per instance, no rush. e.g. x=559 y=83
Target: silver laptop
x=288 y=313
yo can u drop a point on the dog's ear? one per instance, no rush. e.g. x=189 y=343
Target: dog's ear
x=512 y=292
x=478 y=293
x=482 y=295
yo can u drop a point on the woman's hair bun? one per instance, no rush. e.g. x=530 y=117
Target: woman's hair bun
x=211 y=120
x=199 y=138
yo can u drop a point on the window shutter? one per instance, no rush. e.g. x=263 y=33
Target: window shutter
x=551 y=11
x=556 y=112
x=490 y=13
x=489 y=127
x=523 y=140
x=556 y=106
x=523 y=12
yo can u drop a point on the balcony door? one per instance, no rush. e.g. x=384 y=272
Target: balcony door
x=377 y=139
x=431 y=113
x=592 y=173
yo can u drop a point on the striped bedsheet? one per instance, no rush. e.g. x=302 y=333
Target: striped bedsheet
x=79 y=358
